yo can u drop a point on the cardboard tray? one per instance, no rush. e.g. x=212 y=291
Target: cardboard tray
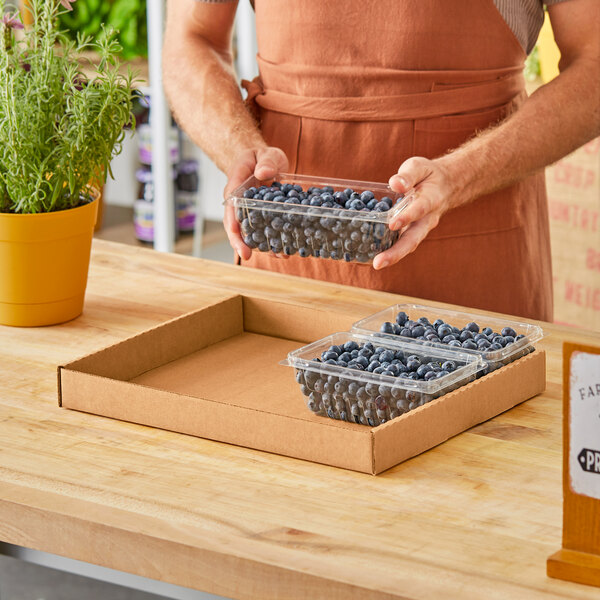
x=214 y=373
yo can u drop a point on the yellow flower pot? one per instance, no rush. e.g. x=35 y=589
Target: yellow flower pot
x=44 y=261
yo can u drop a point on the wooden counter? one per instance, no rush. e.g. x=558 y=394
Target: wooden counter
x=474 y=518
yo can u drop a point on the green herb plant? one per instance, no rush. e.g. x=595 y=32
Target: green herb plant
x=59 y=127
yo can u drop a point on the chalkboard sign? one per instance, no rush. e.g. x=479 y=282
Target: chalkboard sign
x=579 y=559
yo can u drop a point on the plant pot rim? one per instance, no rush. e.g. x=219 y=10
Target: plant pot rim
x=93 y=191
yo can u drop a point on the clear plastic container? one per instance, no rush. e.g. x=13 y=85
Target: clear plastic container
x=334 y=233
x=368 y=398
x=493 y=359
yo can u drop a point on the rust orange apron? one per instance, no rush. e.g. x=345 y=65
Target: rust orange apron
x=351 y=89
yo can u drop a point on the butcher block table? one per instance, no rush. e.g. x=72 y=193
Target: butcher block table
x=474 y=518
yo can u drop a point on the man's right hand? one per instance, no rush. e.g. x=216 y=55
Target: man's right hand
x=263 y=163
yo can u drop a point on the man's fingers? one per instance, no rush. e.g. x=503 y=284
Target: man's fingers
x=242 y=169
x=232 y=229
x=411 y=172
x=269 y=162
x=419 y=206
x=408 y=242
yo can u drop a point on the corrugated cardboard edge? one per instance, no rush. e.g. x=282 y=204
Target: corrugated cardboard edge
x=350 y=448
x=92 y=362
x=435 y=422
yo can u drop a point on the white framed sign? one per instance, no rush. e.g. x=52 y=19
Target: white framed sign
x=584 y=424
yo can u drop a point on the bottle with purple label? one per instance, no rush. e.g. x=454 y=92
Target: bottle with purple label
x=186 y=194
x=143 y=207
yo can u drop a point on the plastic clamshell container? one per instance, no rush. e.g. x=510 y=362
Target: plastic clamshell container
x=333 y=233
x=493 y=359
x=369 y=398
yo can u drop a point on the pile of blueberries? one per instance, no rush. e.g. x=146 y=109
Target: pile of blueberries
x=371 y=403
x=348 y=231
x=470 y=337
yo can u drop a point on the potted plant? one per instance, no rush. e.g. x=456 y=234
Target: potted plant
x=59 y=128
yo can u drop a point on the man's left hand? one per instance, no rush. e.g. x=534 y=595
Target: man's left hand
x=434 y=194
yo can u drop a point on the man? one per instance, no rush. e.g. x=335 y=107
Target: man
x=426 y=94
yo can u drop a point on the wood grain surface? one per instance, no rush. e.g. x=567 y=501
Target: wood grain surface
x=474 y=518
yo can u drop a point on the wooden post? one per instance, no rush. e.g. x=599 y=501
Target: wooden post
x=579 y=558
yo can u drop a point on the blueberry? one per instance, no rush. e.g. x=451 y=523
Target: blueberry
x=276 y=245
x=412 y=364
x=350 y=346
x=466 y=334
x=444 y=330
x=509 y=331
x=422 y=370
x=393 y=369
x=361 y=394
x=249 y=241
x=386 y=356
x=362 y=360
x=315 y=397
x=372 y=389
x=449 y=366
x=417 y=331
x=387 y=327
x=469 y=344
x=277 y=223
x=487 y=331
x=473 y=327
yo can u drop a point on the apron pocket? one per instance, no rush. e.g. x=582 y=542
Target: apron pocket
x=367 y=151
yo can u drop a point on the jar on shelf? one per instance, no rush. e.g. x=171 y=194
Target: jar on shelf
x=143 y=207
x=186 y=194
x=144 y=134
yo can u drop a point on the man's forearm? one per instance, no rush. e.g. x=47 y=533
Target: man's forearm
x=557 y=118
x=203 y=94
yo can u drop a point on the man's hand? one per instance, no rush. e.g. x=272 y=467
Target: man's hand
x=433 y=196
x=263 y=163
x=557 y=118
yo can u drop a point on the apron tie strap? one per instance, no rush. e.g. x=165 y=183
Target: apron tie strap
x=419 y=105
x=254 y=88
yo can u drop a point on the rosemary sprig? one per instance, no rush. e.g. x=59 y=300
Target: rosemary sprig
x=59 y=129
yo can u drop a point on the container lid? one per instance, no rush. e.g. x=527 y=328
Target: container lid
x=371 y=326
x=470 y=363
x=236 y=197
